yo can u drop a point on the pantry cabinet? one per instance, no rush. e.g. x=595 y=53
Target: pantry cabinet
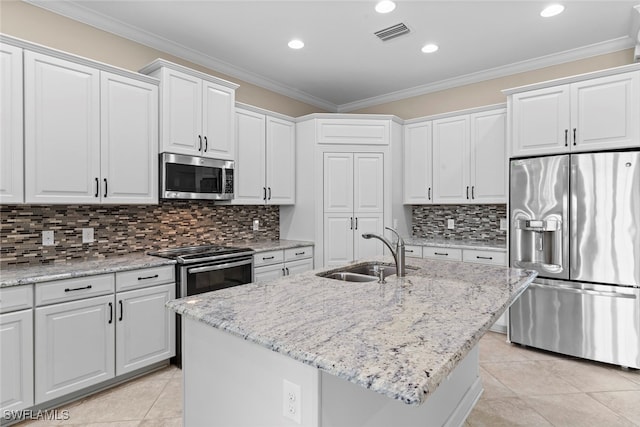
x=197 y=111
x=353 y=205
x=90 y=135
x=11 y=131
x=590 y=114
x=265 y=166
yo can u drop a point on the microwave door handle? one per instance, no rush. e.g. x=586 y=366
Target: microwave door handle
x=219 y=266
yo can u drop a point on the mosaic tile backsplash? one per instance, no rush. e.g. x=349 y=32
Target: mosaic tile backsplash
x=475 y=222
x=126 y=228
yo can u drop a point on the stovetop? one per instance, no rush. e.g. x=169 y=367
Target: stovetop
x=190 y=254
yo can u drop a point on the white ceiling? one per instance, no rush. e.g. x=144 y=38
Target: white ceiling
x=343 y=66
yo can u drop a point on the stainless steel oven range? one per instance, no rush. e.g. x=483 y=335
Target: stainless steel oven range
x=207 y=268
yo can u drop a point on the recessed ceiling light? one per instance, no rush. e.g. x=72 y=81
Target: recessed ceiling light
x=385 y=6
x=552 y=10
x=430 y=48
x=296 y=44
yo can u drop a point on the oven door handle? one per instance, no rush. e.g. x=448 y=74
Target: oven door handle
x=216 y=267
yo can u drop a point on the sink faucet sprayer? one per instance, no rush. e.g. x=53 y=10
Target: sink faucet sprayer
x=398 y=253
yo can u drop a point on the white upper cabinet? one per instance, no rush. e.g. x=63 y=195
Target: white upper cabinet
x=62 y=130
x=368 y=183
x=280 y=161
x=594 y=114
x=197 y=111
x=90 y=135
x=488 y=162
x=11 y=136
x=605 y=112
x=338 y=182
x=418 y=187
x=129 y=140
x=350 y=131
x=451 y=160
x=265 y=163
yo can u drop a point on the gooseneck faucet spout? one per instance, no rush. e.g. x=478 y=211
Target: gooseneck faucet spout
x=398 y=252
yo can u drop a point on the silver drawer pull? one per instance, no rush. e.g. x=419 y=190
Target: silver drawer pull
x=441 y=253
x=264 y=258
x=409 y=250
x=300 y=253
x=77 y=289
x=155 y=276
x=484 y=257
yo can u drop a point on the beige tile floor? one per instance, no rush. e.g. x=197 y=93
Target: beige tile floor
x=522 y=387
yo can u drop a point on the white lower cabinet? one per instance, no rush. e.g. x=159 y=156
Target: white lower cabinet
x=74 y=346
x=89 y=330
x=145 y=329
x=279 y=263
x=16 y=360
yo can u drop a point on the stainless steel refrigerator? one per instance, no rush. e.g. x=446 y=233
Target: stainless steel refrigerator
x=576 y=220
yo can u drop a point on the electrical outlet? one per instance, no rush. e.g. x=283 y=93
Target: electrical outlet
x=47 y=238
x=87 y=235
x=503 y=224
x=256 y=225
x=450 y=224
x=291 y=401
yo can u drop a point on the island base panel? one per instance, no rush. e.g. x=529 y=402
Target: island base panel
x=229 y=381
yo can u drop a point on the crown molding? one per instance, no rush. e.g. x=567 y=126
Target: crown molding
x=80 y=13
x=609 y=46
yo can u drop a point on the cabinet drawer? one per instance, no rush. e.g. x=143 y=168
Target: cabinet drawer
x=413 y=251
x=446 y=254
x=267 y=258
x=485 y=257
x=298 y=253
x=16 y=298
x=73 y=289
x=144 y=277
x=353 y=131
x=267 y=273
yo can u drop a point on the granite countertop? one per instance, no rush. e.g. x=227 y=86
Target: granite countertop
x=400 y=339
x=19 y=275
x=271 y=245
x=458 y=243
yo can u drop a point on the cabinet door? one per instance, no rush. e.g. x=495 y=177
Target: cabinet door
x=268 y=272
x=129 y=140
x=74 y=344
x=299 y=266
x=368 y=182
x=605 y=112
x=11 y=141
x=338 y=239
x=250 y=162
x=281 y=158
x=541 y=121
x=418 y=164
x=488 y=163
x=16 y=360
x=338 y=182
x=218 y=125
x=368 y=223
x=181 y=113
x=62 y=130
x=451 y=160
x=145 y=328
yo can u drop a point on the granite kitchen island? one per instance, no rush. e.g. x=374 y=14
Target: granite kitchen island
x=314 y=351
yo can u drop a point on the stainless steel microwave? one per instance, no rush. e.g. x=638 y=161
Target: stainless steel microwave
x=193 y=177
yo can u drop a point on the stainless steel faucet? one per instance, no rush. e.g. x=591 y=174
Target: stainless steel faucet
x=398 y=252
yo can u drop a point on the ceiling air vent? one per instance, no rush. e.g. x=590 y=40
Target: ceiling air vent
x=392 y=32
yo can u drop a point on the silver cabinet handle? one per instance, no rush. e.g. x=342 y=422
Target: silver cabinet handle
x=484 y=257
x=356 y=223
x=155 y=276
x=574 y=136
x=441 y=253
x=77 y=289
x=269 y=194
x=287 y=268
x=97 y=187
x=429 y=193
x=206 y=144
x=473 y=196
x=105 y=188
x=566 y=137
x=300 y=253
x=200 y=143
x=264 y=193
x=351 y=221
x=264 y=258
x=467 y=192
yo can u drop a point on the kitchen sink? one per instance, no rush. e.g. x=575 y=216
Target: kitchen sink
x=360 y=273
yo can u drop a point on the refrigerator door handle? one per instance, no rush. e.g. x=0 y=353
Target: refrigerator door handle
x=583 y=291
